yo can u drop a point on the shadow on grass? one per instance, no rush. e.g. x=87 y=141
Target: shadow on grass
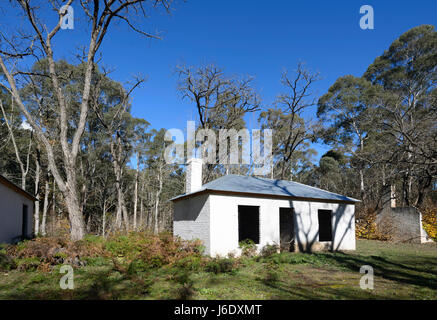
x=401 y=270
x=95 y=285
x=105 y=283
x=322 y=292
x=404 y=273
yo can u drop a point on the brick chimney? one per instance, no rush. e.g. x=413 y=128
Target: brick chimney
x=193 y=175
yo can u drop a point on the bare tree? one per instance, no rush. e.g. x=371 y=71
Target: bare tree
x=221 y=101
x=291 y=130
x=38 y=44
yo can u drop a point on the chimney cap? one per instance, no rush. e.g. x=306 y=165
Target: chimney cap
x=198 y=160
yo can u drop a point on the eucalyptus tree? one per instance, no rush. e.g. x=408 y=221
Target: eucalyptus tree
x=292 y=133
x=407 y=71
x=347 y=112
x=35 y=40
x=221 y=101
x=140 y=138
x=164 y=180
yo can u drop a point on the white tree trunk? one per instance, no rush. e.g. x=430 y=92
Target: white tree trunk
x=157 y=199
x=104 y=218
x=36 y=213
x=45 y=207
x=136 y=193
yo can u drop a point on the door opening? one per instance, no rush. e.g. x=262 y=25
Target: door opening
x=325 y=225
x=286 y=229
x=25 y=222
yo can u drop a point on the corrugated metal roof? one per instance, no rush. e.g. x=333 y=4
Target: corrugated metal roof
x=263 y=186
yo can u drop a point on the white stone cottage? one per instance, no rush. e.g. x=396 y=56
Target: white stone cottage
x=16 y=212
x=233 y=208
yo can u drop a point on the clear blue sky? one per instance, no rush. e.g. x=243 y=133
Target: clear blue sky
x=257 y=38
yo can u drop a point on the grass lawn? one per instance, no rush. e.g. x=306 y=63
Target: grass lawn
x=402 y=271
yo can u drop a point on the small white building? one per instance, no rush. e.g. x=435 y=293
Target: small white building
x=233 y=208
x=16 y=212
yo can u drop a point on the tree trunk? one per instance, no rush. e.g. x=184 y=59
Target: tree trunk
x=125 y=214
x=158 y=195
x=118 y=171
x=104 y=218
x=141 y=214
x=77 y=227
x=36 y=213
x=75 y=215
x=118 y=214
x=45 y=207
x=141 y=205
x=362 y=190
x=136 y=193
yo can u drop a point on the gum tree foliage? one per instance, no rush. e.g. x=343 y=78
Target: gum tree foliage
x=34 y=41
x=387 y=120
x=111 y=140
x=407 y=72
x=347 y=112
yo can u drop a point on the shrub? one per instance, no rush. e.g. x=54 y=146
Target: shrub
x=271 y=274
x=269 y=250
x=184 y=288
x=429 y=220
x=133 y=251
x=44 y=253
x=190 y=263
x=221 y=265
x=366 y=227
x=248 y=248
x=28 y=264
x=152 y=251
x=37 y=278
x=6 y=262
x=96 y=261
x=317 y=259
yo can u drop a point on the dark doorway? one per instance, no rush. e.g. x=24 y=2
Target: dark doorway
x=25 y=222
x=286 y=229
x=248 y=223
x=325 y=225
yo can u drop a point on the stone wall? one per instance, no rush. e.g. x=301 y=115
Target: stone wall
x=400 y=224
x=192 y=219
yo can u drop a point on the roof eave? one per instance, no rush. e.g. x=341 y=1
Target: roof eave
x=264 y=195
x=17 y=189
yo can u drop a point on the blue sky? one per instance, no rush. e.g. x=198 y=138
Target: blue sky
x=257 y=38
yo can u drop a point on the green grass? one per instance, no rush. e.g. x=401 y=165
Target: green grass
x=402 y=271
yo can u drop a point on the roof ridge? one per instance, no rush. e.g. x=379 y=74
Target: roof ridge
x=266 y=186
x=288 y=181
